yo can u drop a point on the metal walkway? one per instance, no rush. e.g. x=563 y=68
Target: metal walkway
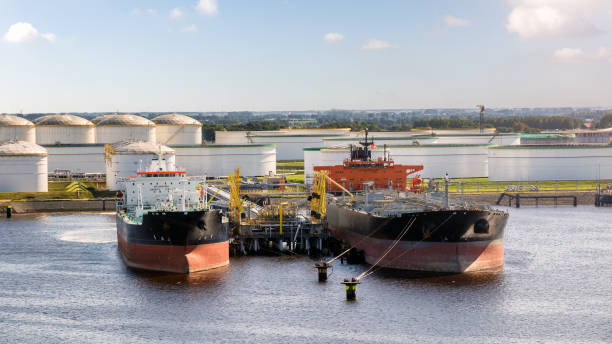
x=224 y=196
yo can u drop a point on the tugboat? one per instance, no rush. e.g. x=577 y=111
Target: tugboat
x=165 y=224
x=409 y=229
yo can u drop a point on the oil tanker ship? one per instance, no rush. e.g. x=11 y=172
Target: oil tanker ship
x=165 y=224
x=408 y=229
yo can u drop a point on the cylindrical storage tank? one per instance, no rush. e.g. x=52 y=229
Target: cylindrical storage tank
x=535 y=163
x=459 y=161
x=117 y=128
x=176 y=129
x=231 y=137
x=23 y=167
x=126 y=158
x=64 y=129
x=220 y=160
x=16 y=128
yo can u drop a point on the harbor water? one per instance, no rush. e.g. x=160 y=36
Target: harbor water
x=62 y=280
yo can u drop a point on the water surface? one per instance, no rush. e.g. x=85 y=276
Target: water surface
x=62 y=280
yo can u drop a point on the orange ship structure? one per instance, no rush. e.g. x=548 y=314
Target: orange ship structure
x=360 y=168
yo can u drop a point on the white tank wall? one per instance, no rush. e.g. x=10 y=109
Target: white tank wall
x=23 y=174
x=289 y=147
x=88 y=159
x=125 y=165
x=476 y=139
x=21 y=133
x=550 y=163
x=113 y=134
x=178 y=134
x=231 y=138
x=458 y=161
x=57 y=134
x=220 y=160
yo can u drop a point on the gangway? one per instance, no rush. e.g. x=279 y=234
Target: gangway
x=225 y=196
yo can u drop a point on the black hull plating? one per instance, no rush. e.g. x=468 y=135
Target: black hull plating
x=175 y=228
x=429 y=226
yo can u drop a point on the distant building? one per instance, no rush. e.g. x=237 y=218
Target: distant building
x=592 y=136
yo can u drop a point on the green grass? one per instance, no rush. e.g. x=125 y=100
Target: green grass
x=58 y=190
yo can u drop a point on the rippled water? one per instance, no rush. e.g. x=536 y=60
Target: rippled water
x=62 y=280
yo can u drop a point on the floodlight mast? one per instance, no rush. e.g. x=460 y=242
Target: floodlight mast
x=482 y=109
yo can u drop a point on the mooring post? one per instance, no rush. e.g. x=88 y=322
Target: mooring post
x=351 y=288
x=322 y=270
x=575 y=201
x=518 y=200
x=9 y=211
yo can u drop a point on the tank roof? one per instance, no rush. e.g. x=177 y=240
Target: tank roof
x=63 y=120
x=13 y=121
x=123 y=120
x=21 y=148
x=140 y=147
x=175 y=119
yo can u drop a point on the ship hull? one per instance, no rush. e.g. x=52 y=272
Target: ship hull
x=179 y=242
x=453 y=241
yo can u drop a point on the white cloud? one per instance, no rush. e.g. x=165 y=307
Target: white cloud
x=24 y=32
x=454 y=21
x=49 y=37
x=332 y=37
x=553 y=18
x=577 y=55
x=375 y=44
x=208 y=7
x=569 y=55
x=190 y=28
x=146 y=11
x=176 y=13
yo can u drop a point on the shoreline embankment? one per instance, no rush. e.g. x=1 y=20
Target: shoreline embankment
x=58 y=205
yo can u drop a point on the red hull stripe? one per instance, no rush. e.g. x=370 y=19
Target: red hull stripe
x=180 y=259
x=470 y=256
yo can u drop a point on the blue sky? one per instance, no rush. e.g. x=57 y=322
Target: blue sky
x=230 y=55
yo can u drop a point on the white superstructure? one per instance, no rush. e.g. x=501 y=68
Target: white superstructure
x=64 y=129
x=116 y=128
x=157 y=188
x=220 y=160
x=129 y=157
x=23 y=167
x=177 y=129
x=533 y=163
x=16 y=128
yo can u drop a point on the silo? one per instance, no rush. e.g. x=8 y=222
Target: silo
x=176 y=129
x=16 y=128
x=220 y=160
x=116 y=128
x=128 y=157
x=458 y=160
x=23 y=167
x=64 y=129
x=550 y=162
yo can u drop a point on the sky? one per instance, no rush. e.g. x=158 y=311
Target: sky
x=244 y=55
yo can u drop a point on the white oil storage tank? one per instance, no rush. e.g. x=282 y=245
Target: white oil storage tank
x=64 y=129
x=116 y=128
x=23 y=167
x=550 y=162
x=177 y=129
x=220 y=160
x=126 y=158
x=16 y=128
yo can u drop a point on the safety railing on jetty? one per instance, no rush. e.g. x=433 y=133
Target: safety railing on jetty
x=482 y=185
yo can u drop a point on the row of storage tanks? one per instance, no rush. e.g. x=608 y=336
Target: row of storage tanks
x=117 y=145
x=497 y=163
